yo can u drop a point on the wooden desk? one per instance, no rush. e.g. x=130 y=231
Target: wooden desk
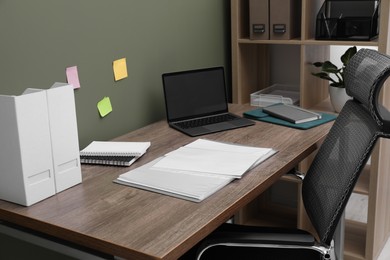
x=136 y=224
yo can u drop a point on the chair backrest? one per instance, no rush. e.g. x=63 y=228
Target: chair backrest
x=332 y=176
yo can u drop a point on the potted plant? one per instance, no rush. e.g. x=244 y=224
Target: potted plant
x=335 y=76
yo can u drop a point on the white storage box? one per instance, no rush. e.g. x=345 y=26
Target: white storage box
x=64 y=135
x=277 y=93
x=39 y=153
x=26 y=167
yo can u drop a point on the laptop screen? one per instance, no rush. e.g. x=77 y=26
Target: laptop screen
x=194 y=93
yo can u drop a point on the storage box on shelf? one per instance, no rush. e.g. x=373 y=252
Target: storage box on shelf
x=277 y=93
x=254 y=69
x=338 y=21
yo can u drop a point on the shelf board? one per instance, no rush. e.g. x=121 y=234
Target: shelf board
x=273 y=219
x=291 y=42
x=355 y=240
x=298 y=41
x=364 y=181
x=337 y=42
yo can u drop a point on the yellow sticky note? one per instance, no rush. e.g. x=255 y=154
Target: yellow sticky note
x=104 y=106
x=120 y=69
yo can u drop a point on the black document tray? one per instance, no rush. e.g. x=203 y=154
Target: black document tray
x=347 y=20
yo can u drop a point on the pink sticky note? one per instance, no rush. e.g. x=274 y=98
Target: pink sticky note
x=73 y=76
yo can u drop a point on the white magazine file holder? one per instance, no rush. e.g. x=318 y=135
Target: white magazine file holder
x=39 y=150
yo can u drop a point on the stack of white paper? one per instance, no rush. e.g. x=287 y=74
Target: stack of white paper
x=188 y=185
x=197 y=170
x=214 y=157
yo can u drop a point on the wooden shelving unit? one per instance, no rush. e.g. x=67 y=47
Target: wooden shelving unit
x=253 y=69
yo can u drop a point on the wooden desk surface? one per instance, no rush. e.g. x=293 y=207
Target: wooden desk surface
x=136 y=224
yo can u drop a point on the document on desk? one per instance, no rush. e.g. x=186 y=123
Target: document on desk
x=197 y=170
x=193 y=186
x=214 y=157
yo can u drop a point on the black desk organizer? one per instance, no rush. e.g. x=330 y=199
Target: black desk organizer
x=347 y=20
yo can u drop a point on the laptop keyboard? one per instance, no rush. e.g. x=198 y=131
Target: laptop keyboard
x=205 y=121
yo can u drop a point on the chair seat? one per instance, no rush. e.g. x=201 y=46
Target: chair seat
x=252 y=242
x=264 y=235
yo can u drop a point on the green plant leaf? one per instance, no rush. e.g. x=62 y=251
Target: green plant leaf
x=318 y=64
x=323 y=75
x=348 y=55
x=329 y=67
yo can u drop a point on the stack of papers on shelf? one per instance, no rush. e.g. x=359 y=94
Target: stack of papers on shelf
x=197 y=170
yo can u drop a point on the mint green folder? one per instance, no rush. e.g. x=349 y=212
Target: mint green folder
x=258 y=114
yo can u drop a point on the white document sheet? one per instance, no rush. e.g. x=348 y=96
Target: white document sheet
x=197 y=170
x=182 y=184
x=215 y=158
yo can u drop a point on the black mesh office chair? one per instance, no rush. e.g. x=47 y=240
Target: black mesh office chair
x=330 y=180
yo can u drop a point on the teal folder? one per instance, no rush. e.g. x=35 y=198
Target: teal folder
x=258 y=114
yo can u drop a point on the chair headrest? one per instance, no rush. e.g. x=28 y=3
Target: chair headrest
x=364 y=77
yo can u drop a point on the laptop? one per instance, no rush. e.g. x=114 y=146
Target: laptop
x=196 y=102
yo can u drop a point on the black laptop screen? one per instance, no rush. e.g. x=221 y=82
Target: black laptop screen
x=194 y=93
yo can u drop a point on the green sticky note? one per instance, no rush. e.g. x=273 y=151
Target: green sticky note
x=104 y=106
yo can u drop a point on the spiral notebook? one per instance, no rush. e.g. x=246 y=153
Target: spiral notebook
x=113 y=153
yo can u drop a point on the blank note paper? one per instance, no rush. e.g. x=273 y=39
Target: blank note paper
x=104 y=106
x=72 y=76
x=120 y=69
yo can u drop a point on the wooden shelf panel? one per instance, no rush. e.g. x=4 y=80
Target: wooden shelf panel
x=273 y=219
x=299 y=41
x=249 y=41
x=275 y=207
x=346 y=43
x=355 y=240
x=364 y=181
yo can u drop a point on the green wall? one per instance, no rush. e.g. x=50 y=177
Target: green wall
x=40 y=38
